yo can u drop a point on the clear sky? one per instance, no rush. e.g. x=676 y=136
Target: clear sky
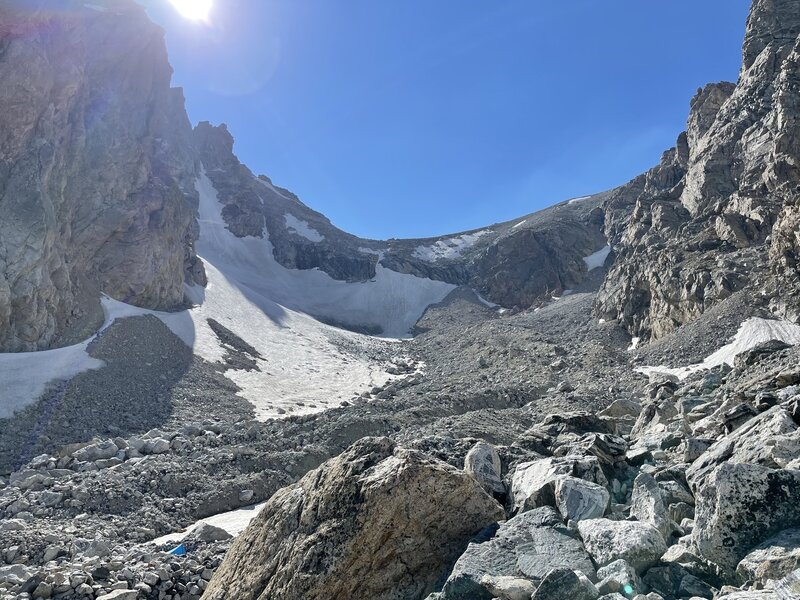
x=410 y=118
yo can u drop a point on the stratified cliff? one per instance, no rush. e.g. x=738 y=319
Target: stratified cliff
x=720 y=212
x=96 y=170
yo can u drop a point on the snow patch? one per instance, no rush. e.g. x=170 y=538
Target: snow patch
x=597 y=259
x=234 y=522
x=634 y=344
x=520 y=224
x=449 y=248
x=302 y=228
x=576 y=200
x=751 y=333
x=24 y=376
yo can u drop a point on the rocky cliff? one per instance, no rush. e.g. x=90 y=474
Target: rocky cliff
x=515 y=263
x=96 y=170
x=720 y=212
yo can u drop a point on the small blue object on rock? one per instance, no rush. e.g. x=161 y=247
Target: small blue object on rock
x=179 y=550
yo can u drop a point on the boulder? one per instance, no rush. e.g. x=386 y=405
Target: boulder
x=639 y=544
x=771 y=439
x=565 y=583
x=647 y=505
x=96 y=451
x=509 y=588
x=377 y=522
x=618 y=576
x=788 y=588
x=578 y=499
x=533 y=483
x=528 y=545
x=775 y=558
x=120 y=595
x=483 y=463
x=205 y=532
x=741 y=505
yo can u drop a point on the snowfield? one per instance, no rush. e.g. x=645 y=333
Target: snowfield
x=303 y=367
x=751 y=333
x=302 y=228
x=448 y=248
x=598 y=259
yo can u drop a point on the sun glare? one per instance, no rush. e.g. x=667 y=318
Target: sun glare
x=196 y=10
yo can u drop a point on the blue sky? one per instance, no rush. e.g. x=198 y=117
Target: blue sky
x=421 y=117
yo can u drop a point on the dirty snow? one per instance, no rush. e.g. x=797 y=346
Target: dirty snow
x=449 y=248
x=598 y=259
x=302 y=228
x=751 y=333
x=24 y=376
x=234 y=522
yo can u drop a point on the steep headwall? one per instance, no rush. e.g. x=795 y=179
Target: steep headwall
x=96 y=173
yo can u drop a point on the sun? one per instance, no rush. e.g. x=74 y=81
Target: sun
x=195 y=10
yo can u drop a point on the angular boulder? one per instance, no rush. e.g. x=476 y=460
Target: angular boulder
x=774 y=559
x=647 y=505
x=578 y=499
x=740 y=506
x=559 y=584
x=771 y=439
x=639 y=544
x=533 y=483
x=529 y=545
x=483 y=463
x=376 y=522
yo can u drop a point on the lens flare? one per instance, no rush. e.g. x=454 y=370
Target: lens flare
x=195 y=10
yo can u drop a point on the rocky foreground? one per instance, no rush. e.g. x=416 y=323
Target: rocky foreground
x=674 y=490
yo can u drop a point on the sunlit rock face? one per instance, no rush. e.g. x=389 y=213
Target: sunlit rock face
x=720 y=211
x=96 y=170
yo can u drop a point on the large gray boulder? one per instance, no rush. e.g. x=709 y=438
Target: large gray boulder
x=647 y=505
x=578 y=499
x=565 y=583
x=740 y=506
x=529 y=545
x=376 y=522
x=771 y=439
x=774 y=558
x=639 y=544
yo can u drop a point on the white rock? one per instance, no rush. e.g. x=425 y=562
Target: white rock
x=647 y=505
x=533 y=483
x=509 y=588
